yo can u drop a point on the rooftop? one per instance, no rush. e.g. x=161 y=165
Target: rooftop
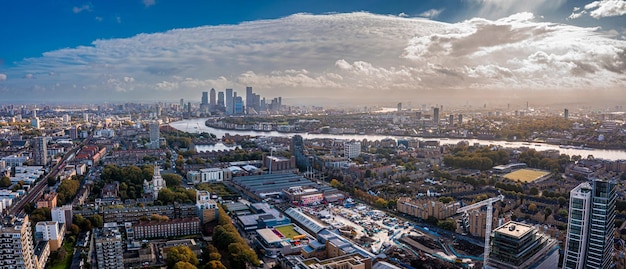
x=514 y=229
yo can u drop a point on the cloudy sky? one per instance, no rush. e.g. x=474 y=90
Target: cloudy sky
x=357 y=52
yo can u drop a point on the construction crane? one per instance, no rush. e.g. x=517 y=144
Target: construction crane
x=489 y=203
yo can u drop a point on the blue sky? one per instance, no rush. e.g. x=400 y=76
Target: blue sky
x=33 y=30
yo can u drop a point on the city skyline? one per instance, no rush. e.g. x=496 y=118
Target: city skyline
x=350 y=53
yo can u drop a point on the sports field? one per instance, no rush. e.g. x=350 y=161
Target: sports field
x=526 y=175
x=287 y=231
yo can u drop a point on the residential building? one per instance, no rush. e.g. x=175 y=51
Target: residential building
x=48 y=200
x=62 y=214
x=424 y=208
x=167 y=228
x=135 y=214
x=40 y=151
x=42 y=252
x=277 y=164
x=50 y=231
x=352 y=149
x=591 y=225
x=207 y=207
x=154 y=135
x=517 y=245
x=16 y=243
x=107 y=242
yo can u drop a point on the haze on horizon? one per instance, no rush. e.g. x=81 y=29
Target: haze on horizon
x=495 y=53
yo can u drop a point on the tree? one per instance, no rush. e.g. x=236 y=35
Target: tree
x=180 y=253
x=74 y=229
x=96 y=220
x=335 y=183
x=534 y=191
x=215 y=264
x=172 y=180
x=184 y=265
x=448 y=224
x=5 y=182
x=446 y=199
x=532 y=207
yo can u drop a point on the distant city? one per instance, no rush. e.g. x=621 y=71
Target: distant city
x=149 y=185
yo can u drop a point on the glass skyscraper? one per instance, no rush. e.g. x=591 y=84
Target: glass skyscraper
x=591 y=223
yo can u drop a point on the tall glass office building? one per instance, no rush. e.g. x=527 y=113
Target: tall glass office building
x=589 y=242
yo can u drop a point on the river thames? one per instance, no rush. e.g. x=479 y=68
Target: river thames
x=197 y=126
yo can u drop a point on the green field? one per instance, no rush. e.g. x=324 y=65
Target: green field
x=526 y=175
x=287 y=231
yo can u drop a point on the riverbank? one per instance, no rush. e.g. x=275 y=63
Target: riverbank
x=608 y=154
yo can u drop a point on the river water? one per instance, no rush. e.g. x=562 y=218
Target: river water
x=197 y=126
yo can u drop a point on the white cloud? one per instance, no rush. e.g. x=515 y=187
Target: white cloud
x=148 y=3
x=99 y=19
x=601 y=9
x=494 y=9
x=85 y=7
x=432 y=13
x=3 y=77
x=358 y=55
x=118 y=19
x=403 y=15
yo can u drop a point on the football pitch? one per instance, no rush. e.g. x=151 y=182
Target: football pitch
x=526 y=175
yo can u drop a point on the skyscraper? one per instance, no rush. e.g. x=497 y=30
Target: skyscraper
x=399 y=107
x=591 y=223
x=154 y=135
x=229 y=101
x=566 y=113
x=212 y=101
x=220 y=99
x=436 y=115
x=40 y=151
x=249 y=98
x=205 y=98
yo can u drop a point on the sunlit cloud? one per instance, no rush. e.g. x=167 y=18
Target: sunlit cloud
x=600 y=9
x=359 y=54
x=432 y=13
x=495 y=9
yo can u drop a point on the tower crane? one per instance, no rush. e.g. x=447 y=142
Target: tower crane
x=489 y=203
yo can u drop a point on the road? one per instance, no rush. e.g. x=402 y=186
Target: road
x=36 y=191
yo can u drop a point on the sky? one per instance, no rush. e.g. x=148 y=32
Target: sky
x=312 y=51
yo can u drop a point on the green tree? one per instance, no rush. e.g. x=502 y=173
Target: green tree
x=448 y=224
x=446 y=199
x=335 y=183
x=532 y=207
x=184 y=265
x=172 y=180
x=96 y=220
x=534 y=191
x=5 y=182
x=180 y=253
x=215 y=264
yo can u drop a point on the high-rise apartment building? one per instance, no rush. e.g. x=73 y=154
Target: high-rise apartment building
x=591 y=223
x=154 y=135
x=107 y=242
x=249 y=97
x=205 y=98
x=352 y=149
x=297 y=150
x=517 y=245
x=566 y=113
x=16 y=243
x=40 y=150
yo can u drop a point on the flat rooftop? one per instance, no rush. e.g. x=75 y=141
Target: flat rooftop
x=514 y=229
x=269 y=235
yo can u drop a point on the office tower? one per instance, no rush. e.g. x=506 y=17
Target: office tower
x=17 y=243
x=436 y=115
x=352 y=149
x=205 y=98
x=220 y=99
x=182 y=104
x=591 y=223
x=229 y=101
x=36 y=123
x=399 y=107
x=107 y=242
x=238 y=107
x=249 y=97
x=566 y=113
x=85 y=117
x=189 y=108
x=212 y=101
x=517 y=245
x=460 y=118
x=418 y=115
x=451 y=119
x=40 y=151
x=155 y=135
